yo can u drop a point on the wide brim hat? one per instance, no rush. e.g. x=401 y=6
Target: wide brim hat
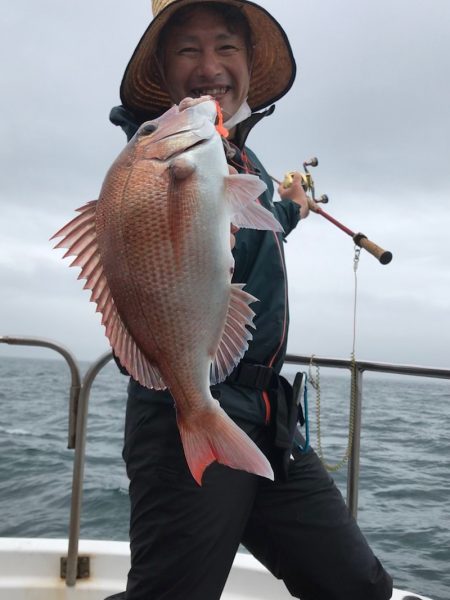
x=273 y=66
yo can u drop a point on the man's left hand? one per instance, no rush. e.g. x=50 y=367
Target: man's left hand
x=297 y=194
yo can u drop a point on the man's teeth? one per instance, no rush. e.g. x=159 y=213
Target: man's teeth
x=211 y=91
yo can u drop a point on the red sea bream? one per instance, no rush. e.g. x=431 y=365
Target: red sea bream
x=155 y=251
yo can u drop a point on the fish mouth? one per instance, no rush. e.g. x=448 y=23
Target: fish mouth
x=178 y=151
x=181 y=129
x=187 y=148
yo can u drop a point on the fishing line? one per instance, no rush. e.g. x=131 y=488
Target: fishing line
x=361 y=241
x=315 y=383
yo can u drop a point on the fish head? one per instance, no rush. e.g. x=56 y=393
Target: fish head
x=179 y=130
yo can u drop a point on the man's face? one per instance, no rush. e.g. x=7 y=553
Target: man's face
x=203 y=57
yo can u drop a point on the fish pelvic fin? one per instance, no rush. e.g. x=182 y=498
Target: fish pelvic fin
x=213 y=436
x=79 y=237
x=246 y=211
x=236 y=336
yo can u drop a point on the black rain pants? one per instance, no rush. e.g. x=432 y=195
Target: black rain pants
x=184 y=537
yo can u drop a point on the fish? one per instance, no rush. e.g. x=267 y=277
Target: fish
x=155 y=252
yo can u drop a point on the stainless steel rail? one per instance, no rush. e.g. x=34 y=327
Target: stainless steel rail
x=78 y=467
x=361 y=366
x=74 y=372
x=79 y=404
x=78 y=411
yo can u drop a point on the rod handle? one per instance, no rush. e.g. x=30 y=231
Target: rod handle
x=384 y=256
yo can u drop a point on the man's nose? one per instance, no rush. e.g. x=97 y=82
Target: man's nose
x=209 y=65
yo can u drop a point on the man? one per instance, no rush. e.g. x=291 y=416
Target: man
x=184 y=537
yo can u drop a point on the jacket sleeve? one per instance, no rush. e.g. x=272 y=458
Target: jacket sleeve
x=286 y=211
x=125 y=119
x=120 y=365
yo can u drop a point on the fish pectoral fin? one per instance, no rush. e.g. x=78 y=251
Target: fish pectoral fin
x=80 y=239
x=246 y=211
x=213 y=436
x=235 y=337
x=181 y=201
x=181 y=168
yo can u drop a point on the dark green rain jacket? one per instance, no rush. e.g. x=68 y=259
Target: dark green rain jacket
x=260 y=264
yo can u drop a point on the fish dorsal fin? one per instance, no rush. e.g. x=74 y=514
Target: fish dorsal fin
x=246 y=211
x=80 y=239
x=236 y=336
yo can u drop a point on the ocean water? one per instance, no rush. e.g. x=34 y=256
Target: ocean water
x=404 y=498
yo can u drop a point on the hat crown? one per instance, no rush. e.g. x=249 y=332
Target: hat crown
x=159 y=5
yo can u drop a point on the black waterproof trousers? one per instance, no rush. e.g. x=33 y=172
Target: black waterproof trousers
x=184 y=537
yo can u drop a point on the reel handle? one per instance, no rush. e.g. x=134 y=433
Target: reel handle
x=384 y=256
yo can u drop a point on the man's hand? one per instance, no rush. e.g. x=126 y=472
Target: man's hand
x=296 y=193
x=233 y=230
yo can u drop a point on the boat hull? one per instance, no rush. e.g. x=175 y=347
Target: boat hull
x=30 y=570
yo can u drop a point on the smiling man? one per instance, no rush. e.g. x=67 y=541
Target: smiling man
x=202 y=54
x=184 y=537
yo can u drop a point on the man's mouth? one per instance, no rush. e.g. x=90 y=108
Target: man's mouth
x=210 y=91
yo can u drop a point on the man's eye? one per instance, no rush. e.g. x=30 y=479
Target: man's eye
x=188 y=50
x=228 y=49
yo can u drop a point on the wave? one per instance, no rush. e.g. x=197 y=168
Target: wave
x=14 y=431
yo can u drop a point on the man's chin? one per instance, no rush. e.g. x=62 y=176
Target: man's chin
x=228 y=108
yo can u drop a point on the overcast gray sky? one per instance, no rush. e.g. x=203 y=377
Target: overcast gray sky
x=371 y=100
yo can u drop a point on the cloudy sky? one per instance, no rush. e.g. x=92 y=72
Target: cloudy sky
x=371 y=100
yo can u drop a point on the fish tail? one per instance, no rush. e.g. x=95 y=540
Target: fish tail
x=215 y=437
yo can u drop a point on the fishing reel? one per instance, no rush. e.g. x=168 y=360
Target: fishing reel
x=307 y=181
x=360 y=239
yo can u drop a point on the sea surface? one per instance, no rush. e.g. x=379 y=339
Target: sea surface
x=404 y=494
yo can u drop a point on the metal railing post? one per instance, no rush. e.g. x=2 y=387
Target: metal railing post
x=78 y=468
x=78 y=409
x=355 y=454
x=74 y=372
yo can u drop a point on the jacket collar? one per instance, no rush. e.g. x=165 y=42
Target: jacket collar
x=243 y=129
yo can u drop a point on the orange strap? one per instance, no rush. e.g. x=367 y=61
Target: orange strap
x=223 y=131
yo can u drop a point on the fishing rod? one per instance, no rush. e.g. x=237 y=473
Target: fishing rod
x=360 y=239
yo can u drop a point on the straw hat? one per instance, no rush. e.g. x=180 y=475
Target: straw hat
x=273 y=63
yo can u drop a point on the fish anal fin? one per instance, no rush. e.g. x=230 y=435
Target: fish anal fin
x=243 y=191
x=80 y=239
x=213 y=436
x=236 y=336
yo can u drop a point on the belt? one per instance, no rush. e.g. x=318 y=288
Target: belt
x=258 y=377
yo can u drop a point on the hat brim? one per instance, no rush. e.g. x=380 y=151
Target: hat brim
x=273 y=67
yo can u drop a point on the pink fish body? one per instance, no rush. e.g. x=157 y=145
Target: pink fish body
x=155 y=251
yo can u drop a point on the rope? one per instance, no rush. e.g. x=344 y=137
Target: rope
x=315 y=382
x=306 y=417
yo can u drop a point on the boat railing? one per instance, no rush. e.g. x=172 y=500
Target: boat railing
x=78 y=411
x=357 y=368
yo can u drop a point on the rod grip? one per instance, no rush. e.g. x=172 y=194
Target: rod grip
x=384 y=256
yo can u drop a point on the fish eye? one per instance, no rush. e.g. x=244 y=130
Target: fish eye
x=148 y=128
